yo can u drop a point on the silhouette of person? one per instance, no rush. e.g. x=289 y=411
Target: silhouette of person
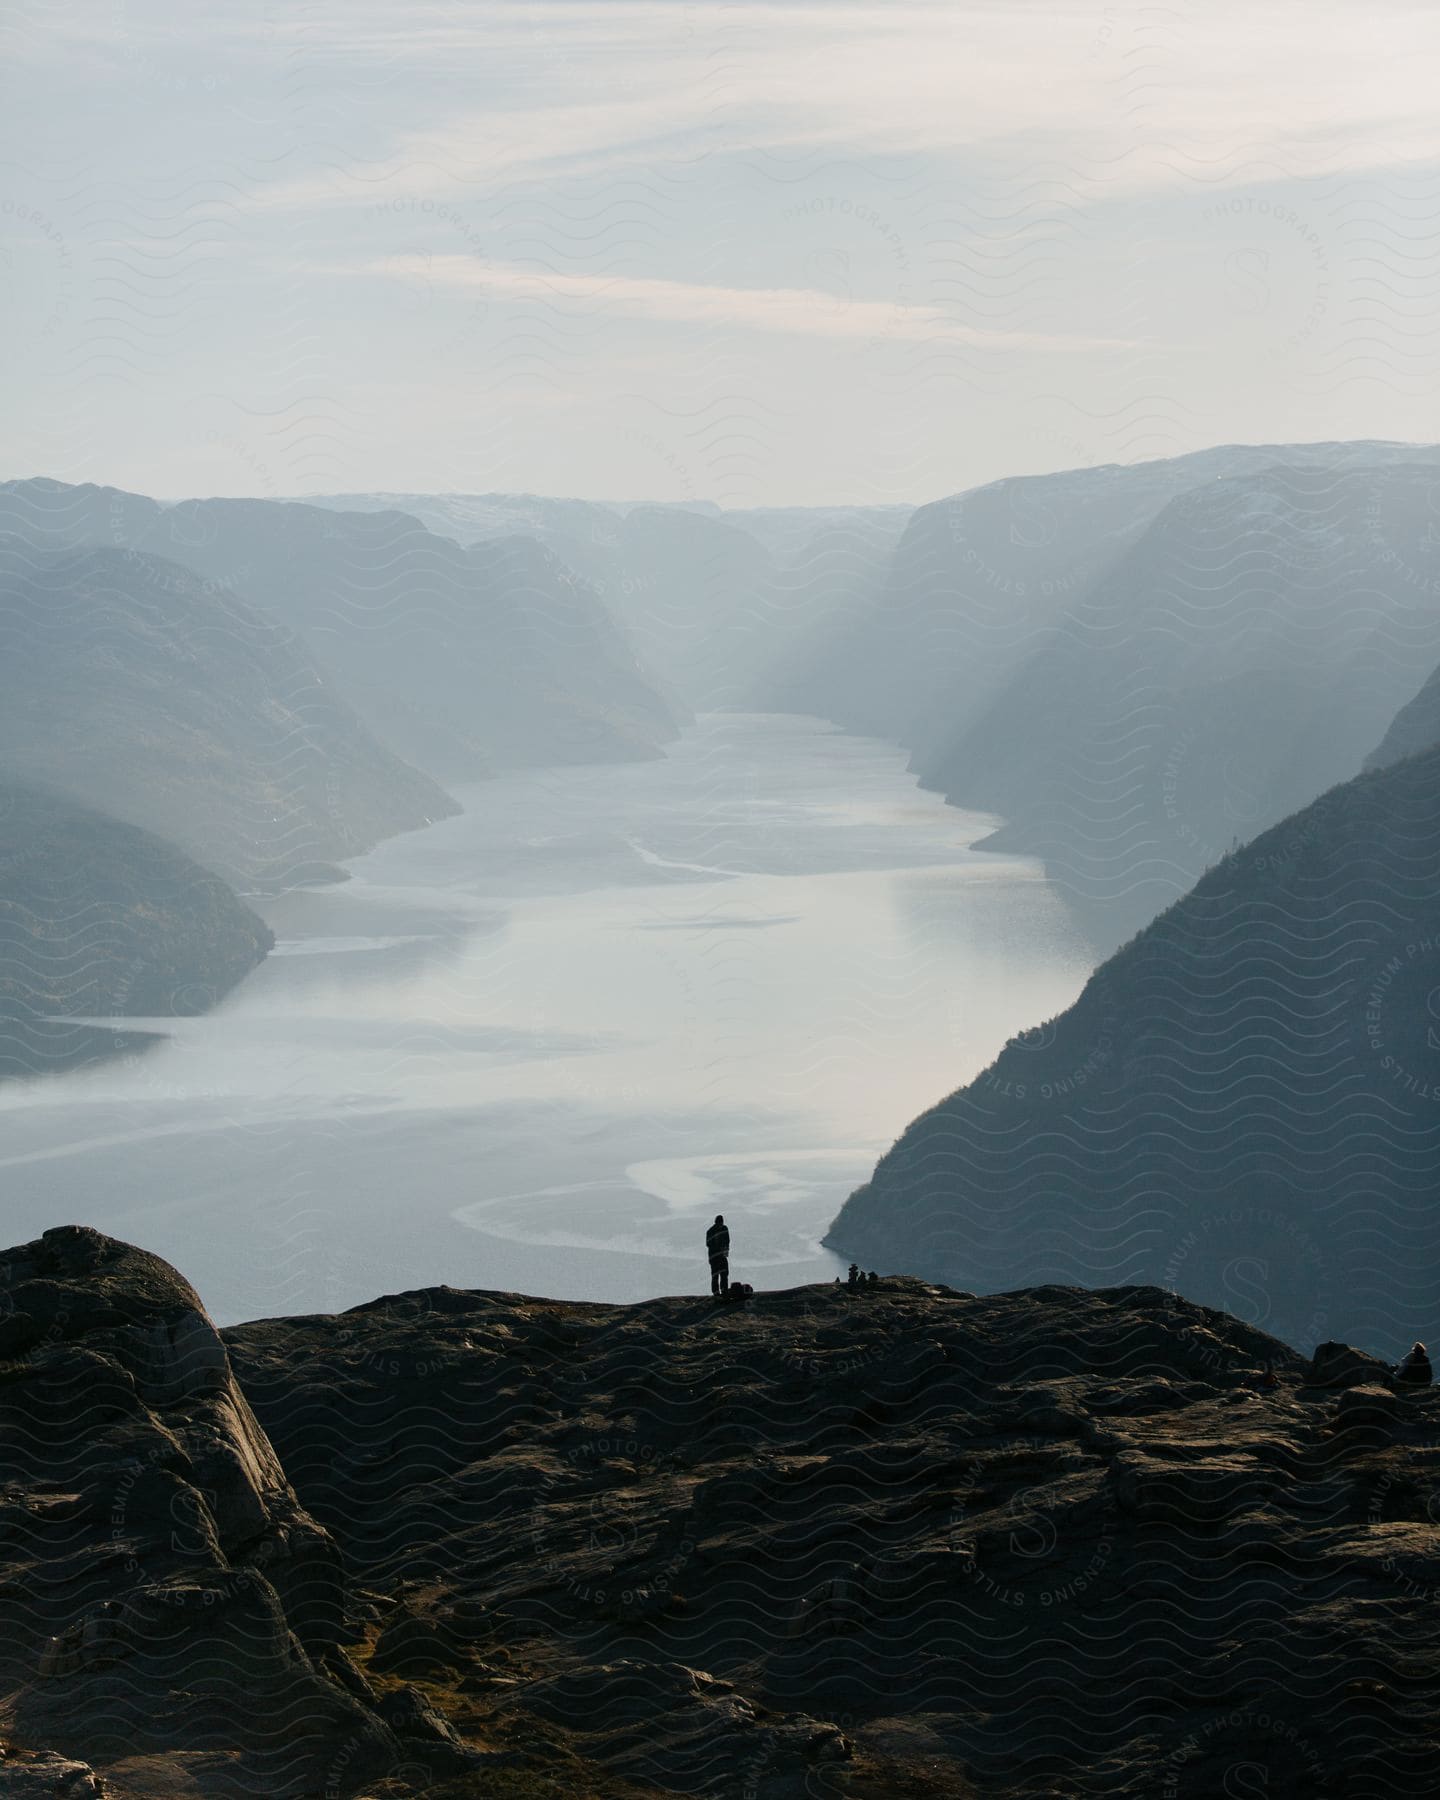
x=717 y=1247
x=1416 y=1367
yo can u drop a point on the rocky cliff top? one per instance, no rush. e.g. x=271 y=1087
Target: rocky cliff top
x=893 y=1541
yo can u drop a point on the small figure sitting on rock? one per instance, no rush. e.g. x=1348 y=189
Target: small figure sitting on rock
x=1416 y=1368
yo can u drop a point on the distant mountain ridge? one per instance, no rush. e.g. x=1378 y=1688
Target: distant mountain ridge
x=462 y=660
x=1240 y=657
x=712 y=597
x=1079 y=653
x=133 y=686
x=977 y=575
x=471 y=517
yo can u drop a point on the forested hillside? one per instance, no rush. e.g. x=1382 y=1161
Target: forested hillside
x=1243 y=1104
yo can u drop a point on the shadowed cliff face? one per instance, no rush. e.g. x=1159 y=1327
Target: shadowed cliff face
x=1243 y=1104
x=169 y=1604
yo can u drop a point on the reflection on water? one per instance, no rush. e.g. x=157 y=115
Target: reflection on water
x=538 y=1046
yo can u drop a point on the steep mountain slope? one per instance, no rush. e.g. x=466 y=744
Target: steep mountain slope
x=471 y=518
x=783 y=530
x=1241 y=1105
x=1413 y=729
x=695 y=593
x=979 y=577
x=822 y=591
x=131 y=685
x=719 y=605
x=463 y=660
x=1241 y=657
x=97 y=918
x=714 y=600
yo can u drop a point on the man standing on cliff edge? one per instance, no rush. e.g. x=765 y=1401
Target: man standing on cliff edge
x=717 y=1245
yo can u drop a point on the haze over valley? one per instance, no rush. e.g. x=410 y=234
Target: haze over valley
x=629 y=955
x=720 y=902
x=539 y=1043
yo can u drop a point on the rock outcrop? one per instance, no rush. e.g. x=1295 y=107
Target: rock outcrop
x=901 y=1541
x=827 y=1545
x=169 y=1605
x=42 y=1775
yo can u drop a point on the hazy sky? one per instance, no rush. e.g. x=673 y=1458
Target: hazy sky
x=752 y=253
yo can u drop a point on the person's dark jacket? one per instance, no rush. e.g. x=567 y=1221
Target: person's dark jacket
x=1416 y=1368
x=717 y=1242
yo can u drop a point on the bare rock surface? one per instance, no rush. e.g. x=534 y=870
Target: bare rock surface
x=42 y=1775
x=900 y=1541
x=165 y=1595
x=828 y=1544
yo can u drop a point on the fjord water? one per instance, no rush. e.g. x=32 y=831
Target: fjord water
x=539 y=1046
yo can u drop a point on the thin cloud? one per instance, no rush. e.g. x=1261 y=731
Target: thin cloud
x=1123 y=101
x=803 y=312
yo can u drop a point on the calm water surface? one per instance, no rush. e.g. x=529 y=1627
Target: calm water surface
x=539 y=1046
